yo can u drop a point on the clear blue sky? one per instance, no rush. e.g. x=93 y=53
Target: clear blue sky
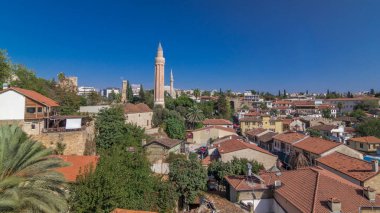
x=236 y=44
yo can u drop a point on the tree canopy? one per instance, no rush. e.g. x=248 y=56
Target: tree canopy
x=28 y=182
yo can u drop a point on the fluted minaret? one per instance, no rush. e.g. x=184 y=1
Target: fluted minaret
x=159 y=70
x=172 y=92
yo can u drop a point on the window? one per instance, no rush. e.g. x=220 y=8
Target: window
x=39 y=109
x=348 y=143
x=31 y=110
x=147 y=122
x=33 y=126
x=361 y=145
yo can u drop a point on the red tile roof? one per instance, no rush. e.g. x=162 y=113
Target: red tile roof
x=316 y=145
x=216 y=127
x=289 y=137
x=129 y=211
x=136 y=108
x=78 y=165
x=243 y=183
x=356 y=168
x=216 y=122
x=316 y=186
x=255 y=132
x=166 y=142
x=324 y=127
x=236 y=145
x=34 y=96
x=367 y=139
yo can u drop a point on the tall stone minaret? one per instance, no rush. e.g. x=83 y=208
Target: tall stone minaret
x=172 y=92
x=159 y=70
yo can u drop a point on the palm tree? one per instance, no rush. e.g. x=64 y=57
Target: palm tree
x=194 y=115
x=197 y=93
x=28 y=182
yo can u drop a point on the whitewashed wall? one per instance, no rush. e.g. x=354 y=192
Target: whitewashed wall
x=12 y=106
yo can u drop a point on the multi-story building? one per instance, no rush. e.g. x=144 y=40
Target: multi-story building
x=348 y=104
x=106 y=92
x=367 y=144
x=265 y=122
x=84 y=91
x=310 y=189
x=26 y=108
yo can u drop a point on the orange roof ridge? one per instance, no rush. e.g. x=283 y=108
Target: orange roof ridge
x=315 y=191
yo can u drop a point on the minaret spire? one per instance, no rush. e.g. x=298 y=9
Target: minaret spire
x=159 y=82
x=172 y=92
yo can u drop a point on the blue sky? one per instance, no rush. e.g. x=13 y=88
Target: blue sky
x=236 y=44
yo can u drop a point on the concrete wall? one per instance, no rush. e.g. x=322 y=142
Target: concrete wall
x=156 y=152
x=12 y=106
x=267 y=160
x=143 y=120
x=201 y=137
x=374 y=183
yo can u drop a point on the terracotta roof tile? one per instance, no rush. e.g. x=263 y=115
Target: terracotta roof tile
x=356 y=168
x=242 y=183
x=367 y=139
x=316 y=145
x=167 y=142
x=317 y=185
x=216 y=122
x=266 y=137
x=290 y=137
x=35 y=96
x=255 y=132
x=78 y=165
x=324 y=127
x=236 y=145
x=136 y=108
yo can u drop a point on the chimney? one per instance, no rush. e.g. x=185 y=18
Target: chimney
x=249 y=169
x=143 y=142
x=5 y=86
x=124 y=87
x=335 y=205
x=375 y=166
x=370 y=193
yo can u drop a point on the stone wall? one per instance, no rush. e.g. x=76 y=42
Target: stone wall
x=77 y=142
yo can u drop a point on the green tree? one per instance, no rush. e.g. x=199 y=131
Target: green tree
x=314 y=133
x=189 y=178
x=358 y=114
x=340 y=106
x=142 y=94
x=194 y=115
x=129 y=92
x=197 y=93
x=5 y=67
x=326 y=113
x=122 y=179
x=94 y=98
x=206 y=93
x=109 y=126
x=237 y=166
x=370 y=127
x=223 y=107
x=175 y=128
x=28 y=182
